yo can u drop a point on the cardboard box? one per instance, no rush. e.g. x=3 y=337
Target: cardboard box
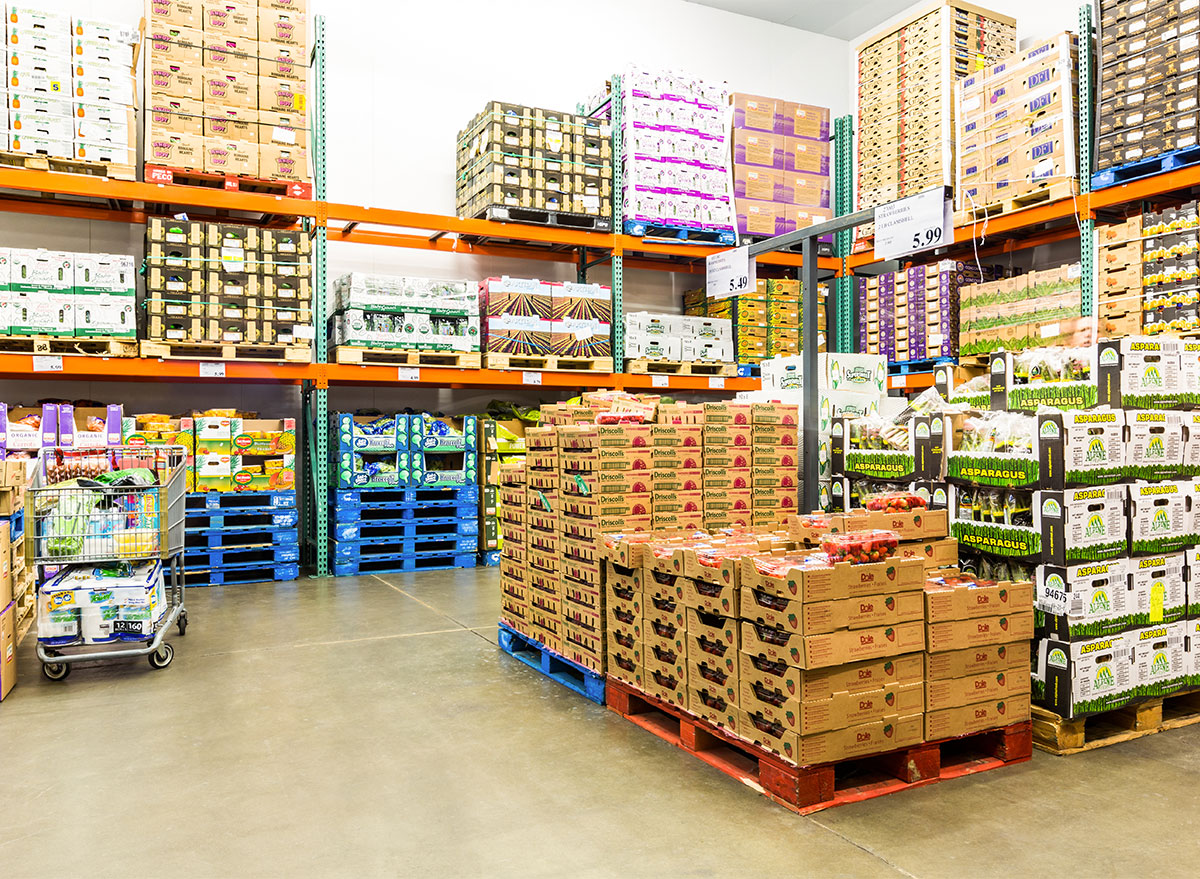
x=840 y=710
x=283 y=129
x=282 y=62
x=960 y=603
x=841 y=581
x=889 y=734
x=281 y=95
x=184 y=13
x=231 y=123
x=834 y=648
x=980 y=632
x=224 y=51
x=176 y=150
x=964 y=720
x=1005 y=683
x=283 y=28
x=829 y=616
x=230 y=157
x=230 y=88
x=8 y=649
x=232 y=18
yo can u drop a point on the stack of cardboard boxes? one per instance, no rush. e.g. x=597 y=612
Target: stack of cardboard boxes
x=70 y=85
x=1119 y=270
x=1170 y=269
x=780 y=165
x=228 y=284
x=526 y=316
x=16 y=577
x=766 y=323
x=977 y=655
x=1028 y=311
x=226 y=89
x=1148 y=80
x=913 y=314
x=53 y=293
x=516 y=589
x=905 y=96
x=1016 y=126
x=419 y=314
x=678 y=337
x=512 y=158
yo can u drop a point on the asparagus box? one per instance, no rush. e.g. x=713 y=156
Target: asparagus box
x=1161 y=517
x=1159 y=659
x=1154 y=445
x=1082 y=447
x=1088 y=600
x=1158 y=586
x=1086 y=677
x=1082 y=524
x=1145 y=373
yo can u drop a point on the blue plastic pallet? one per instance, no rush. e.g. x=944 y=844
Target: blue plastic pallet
x=490 y=559
x=202 y=541
x=907 y=367
x=587 y=683
x=641 y=229
x=409 y=512
x=403 y=564
x=1146 y=167
x=402 y=528
x=240 y=556
x=239 y=576
x=241 y=501
x=361 y=497
x=364 y=549
x=206 y=520
x=749 y=370
x=16 y=525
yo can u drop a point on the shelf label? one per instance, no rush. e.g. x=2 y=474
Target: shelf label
x=1049 y=331
x=716 y=381
x=729 y=273
x=660 y=381
x=920 y=222
x=301 y=331
x=531 y=378
x=47 y=363
x=408 y=373
x=212 y=370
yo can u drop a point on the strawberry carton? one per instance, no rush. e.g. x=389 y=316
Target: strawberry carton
x=809 y=685
x=976 y=717
x=860 y=547
x=808 y=577
x=980 y=632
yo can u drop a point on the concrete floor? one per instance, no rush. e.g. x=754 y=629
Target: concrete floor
x=370 y=727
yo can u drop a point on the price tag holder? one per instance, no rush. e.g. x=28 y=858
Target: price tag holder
x=47 y=363
x=716 y=381
x=730 y=273
x=531 y=378
x=920 y=222
x=408 y=373
x=212 y=370
x=660 y=381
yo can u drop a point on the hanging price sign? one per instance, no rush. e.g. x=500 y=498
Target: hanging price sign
x=730 y=273
x=920 y=222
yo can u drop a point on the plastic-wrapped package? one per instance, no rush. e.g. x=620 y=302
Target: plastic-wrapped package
x=861 y=547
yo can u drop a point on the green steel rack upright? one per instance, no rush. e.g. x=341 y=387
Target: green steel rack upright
x=618 y=208
x=1083 y=165
x=843 y=320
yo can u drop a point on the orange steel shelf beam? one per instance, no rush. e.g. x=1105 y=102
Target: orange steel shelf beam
x=346 y=374
x=83 y=367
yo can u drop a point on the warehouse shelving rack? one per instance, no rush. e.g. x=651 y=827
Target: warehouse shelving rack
x=65 y=195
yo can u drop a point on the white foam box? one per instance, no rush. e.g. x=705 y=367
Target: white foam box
x=104 y=273
x=660 y=347
x=42 y=312
x=105 y=314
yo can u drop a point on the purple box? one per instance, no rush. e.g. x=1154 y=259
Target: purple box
x=82 y=428
x=15 y=437
x=759 y=148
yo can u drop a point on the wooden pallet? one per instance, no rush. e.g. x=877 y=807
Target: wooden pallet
x=1061 y=736
x=807 y=789
x=226 y=351
x=86 y=168
x=228 y=182
x=69 y=345
x=392 y=357
x=1052 y=192
x=494 y=360
x=646 y=366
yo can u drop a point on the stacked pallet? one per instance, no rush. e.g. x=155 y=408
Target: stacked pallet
x=905 y=95
x=226 y=92
x=1033 y=310
x=1148 y=61
x=766 y=323
x=533 y=324
x=914 y=314
x=222 y=290
x=1016 y=130
x=232 y=538
x=87 y=127
x=1170 y=269
x=1120 y=304
x=535 y=166
x=405 y=493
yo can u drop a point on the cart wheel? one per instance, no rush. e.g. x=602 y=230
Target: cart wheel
x=183 y=623
x=162 y=657
x=56 y=671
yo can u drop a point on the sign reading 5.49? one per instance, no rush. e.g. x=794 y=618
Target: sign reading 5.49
x=730 y=273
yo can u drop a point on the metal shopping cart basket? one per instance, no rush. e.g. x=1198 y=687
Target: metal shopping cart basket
x=103 y=528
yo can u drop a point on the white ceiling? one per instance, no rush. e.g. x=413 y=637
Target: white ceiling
x=843 y=20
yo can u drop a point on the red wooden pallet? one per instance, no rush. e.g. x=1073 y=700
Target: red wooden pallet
x=806 y=789
x=230 y=182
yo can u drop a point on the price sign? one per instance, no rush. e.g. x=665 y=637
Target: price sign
x=47 y=363
x=919 y=222
x=716 y=381
x=730 y=273
x=531 y=378
x=408 y=373
x=212 y=370
x=659 y=381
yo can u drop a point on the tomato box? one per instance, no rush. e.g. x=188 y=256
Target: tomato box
x=966 y=719
x=829 y=583
x=967 y=601
x=980 y=632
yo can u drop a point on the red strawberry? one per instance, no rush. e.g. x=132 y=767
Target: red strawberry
x=1001 y=652
x=889 y=668
x=791 y=685
x=890 y=698
x=890 y=603
x=639 y=442
x=887 y=730
x=792 y=620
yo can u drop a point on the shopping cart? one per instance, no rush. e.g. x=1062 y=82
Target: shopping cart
x=96 y=521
